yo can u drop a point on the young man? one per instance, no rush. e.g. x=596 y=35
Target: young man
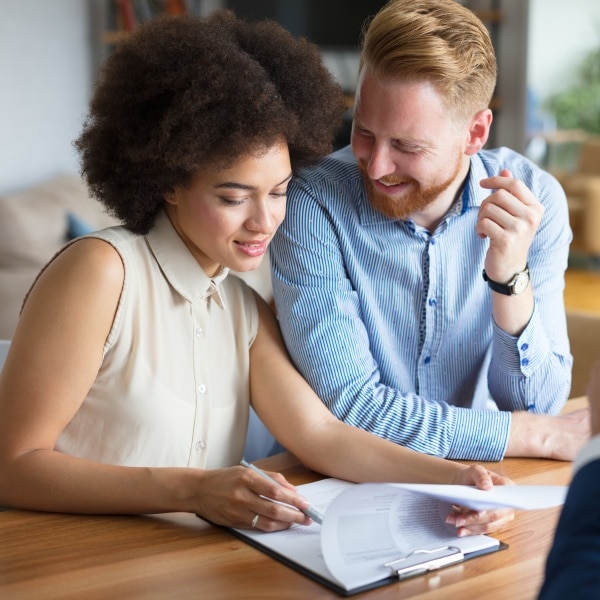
x=419 y=278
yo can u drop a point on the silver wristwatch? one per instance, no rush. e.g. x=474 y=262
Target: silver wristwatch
x=517 y=285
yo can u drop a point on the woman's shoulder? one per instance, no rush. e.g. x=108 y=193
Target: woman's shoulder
x=84 y=266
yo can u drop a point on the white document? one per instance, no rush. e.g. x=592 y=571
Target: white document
x=368 y=525
x=523 y=497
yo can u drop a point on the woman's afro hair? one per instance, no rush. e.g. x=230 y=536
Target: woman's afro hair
x=185 y=93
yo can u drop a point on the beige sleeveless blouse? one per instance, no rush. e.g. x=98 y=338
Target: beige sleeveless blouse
x=173 y=388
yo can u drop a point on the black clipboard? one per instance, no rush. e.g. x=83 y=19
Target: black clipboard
x=417 y=563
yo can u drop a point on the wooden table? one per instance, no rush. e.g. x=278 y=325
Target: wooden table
x=44 y=556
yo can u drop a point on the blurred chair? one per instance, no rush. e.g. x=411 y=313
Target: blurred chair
x=4 y=344
x=582 y=187
x=584 y=337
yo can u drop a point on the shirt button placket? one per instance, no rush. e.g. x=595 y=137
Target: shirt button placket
x=201 y=389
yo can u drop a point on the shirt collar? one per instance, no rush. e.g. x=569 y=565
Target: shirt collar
x=473 y=194
x=179 y=266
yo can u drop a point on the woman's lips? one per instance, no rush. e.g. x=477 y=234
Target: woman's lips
x=253 y=248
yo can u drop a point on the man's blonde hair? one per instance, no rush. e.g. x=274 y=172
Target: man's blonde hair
x=438 y=41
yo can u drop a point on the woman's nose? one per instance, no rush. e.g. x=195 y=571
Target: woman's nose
x=261 y=220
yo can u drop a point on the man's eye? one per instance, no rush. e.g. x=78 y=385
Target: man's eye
x=408 y=149
x=363 y=132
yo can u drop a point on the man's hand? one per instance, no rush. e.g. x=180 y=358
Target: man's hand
x=509 y=217
x=546 y=436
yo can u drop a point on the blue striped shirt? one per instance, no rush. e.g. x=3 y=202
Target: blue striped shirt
x=392 y=325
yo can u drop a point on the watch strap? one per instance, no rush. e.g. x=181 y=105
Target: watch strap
x=508 y=289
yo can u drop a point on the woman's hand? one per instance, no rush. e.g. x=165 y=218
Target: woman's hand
x=237 y=497
x=472 y=522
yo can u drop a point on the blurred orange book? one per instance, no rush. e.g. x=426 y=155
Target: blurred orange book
x=175 y=7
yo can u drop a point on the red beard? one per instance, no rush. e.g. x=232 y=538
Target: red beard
x=414 y=199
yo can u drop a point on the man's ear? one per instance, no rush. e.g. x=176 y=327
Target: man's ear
x=479 y=131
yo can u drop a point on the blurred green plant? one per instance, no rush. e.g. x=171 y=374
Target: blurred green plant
x=578 y=107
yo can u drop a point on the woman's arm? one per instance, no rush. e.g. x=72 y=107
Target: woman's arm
x=53 y=361
x=54 y=357
x=299 y=420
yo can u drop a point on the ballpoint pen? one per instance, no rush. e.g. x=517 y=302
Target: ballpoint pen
x=315 y=515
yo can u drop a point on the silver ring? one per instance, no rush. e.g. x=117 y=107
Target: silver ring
x=255 y=521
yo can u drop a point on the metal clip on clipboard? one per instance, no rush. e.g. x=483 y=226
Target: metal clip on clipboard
x=420 y=562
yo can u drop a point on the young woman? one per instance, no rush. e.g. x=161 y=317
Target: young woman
x=130 y=375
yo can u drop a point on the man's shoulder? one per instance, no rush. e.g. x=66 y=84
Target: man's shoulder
x=591 y=470
x=495 y=160
x=584 y=490
x=507 y=158
x=337 y=166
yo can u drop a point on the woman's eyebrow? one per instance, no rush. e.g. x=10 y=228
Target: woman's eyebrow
x=242 y=186
x=286 y=179
x=235 y=185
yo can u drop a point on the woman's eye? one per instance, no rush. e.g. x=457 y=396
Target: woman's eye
x=229 y=202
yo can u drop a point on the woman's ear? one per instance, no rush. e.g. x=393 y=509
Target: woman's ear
x=171 y=198
x=479 y=131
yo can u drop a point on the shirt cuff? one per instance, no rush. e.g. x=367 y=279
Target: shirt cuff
x=589 y=453
x=480 y=435
x=524 y=354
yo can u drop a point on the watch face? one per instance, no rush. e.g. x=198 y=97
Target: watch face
x=520 y=283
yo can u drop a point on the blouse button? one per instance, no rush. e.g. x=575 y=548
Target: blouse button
x=199 y=332
x=202 y=388
x=200 y=445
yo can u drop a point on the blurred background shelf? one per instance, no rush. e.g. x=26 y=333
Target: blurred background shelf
x=582 y=290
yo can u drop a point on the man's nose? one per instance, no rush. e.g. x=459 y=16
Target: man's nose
x=380 y=162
